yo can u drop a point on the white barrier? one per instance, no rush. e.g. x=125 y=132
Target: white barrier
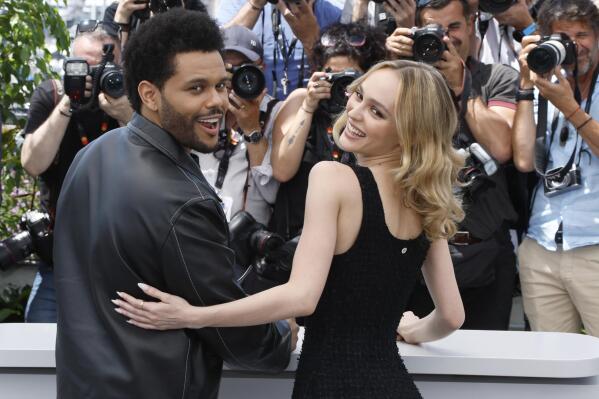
x=467 y=364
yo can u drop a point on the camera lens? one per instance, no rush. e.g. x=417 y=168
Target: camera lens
x=546 y=56
x=248 y=81
x=428 y=43
x=112 y=84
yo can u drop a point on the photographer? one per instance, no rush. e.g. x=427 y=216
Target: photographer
x=482 y=251
x=287 y=30
x=239 y=169
x=54 y=135
x=303 y=127
x=558 y=258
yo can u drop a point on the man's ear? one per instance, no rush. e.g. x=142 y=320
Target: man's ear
x=149 y=94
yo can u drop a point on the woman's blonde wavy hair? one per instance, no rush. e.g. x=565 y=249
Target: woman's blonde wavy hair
x=426 y=120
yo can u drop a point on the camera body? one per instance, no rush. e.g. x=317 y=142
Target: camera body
x=552 y=51
x=339 y=82
x=428 y=43
x=553 y=185
x=495 y=6
x=107 y=77
x=478 y=163
x=248 y=81
x=263 y=259
x=35 y=236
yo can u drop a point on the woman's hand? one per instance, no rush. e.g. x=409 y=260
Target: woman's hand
x=408 y=319
x=318 y=89
x=171 y=313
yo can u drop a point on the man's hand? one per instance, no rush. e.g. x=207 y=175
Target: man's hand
x=300 y=17
x=558 y=93
x=404 y=12
x=246 y=112
x=294 y=331
x=452 y=67
x=526 y=76
x=117 y=108
x=399 y=43
x=126 y=8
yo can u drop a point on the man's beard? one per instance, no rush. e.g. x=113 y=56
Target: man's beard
x=182 y=128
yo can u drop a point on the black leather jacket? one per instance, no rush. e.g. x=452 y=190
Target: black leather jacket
x=135 y=208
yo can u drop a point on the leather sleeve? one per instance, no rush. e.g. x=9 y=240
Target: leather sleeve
x=197 y=266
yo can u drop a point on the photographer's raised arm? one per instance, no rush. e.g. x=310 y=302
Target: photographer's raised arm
x=41 y=146
x=248 y=14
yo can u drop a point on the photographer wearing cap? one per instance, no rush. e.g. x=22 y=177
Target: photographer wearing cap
x=239 y=169
x=559 y=267
x=482 y=251
x=55 y=132
x=302 y=134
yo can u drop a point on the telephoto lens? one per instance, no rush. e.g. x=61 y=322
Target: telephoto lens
x=428 y=43
x=552 y=51
x=248 y=81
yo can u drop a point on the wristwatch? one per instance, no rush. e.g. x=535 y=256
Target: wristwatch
x=252 y=137
x=518 y=35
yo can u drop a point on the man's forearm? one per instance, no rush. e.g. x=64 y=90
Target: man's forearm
x=248 y=14
x=490 y=129
x=523 y=137
x=41 y=146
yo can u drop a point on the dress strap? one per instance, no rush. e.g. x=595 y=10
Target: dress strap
x=372 y=206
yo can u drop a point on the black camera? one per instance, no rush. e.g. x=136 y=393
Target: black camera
x=339 y=82
x=428 y=43
x=495 y=6
x=263 y=259
x=553 y=184
x=107 y=77
x=35 y=236
x=552 y=51
x=247 y=81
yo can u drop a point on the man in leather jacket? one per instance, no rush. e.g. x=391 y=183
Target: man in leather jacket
x=134 y=208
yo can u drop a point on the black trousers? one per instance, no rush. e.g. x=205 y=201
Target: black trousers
x=487 y=307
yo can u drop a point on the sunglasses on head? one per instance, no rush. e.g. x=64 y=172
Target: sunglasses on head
x=89 y=25
x=354 y=40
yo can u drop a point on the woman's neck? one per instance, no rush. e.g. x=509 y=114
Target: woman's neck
x=388 y=160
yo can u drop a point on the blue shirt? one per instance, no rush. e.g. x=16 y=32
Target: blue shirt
x=327 y=13
x=577 y=209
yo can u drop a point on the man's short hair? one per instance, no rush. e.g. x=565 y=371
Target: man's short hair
x=567 y=10
x=150 y=52
x=439 y=4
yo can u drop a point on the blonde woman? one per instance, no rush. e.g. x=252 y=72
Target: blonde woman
x=368 y=230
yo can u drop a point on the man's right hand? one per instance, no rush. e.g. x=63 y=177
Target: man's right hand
x=318 y=89
x=399 y=43
x=126 y=8
x=526 y=75
x=300 y=17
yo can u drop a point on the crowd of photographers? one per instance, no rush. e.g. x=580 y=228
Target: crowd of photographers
x=523 y=78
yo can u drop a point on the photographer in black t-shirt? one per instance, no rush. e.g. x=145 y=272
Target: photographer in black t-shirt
x=54 y=133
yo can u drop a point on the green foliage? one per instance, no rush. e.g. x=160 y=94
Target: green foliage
x=24 y=63
x=12 y=303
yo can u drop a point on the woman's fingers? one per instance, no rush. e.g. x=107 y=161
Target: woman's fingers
x=154 y=292
x=143 y=325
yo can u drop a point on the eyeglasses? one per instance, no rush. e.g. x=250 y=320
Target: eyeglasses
x=90 y=25
x=354 y=40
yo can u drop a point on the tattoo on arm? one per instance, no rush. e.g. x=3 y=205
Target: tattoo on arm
x=292 y=138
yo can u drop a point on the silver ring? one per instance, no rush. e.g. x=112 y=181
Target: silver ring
x=316 y=85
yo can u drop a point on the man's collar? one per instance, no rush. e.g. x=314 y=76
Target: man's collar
x=163 y=142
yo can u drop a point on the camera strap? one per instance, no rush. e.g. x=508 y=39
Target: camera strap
x=541 y=148
x=285 y=51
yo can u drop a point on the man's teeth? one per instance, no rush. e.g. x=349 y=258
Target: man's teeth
x=355 y=131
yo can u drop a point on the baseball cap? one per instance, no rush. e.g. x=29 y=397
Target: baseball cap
x=241 y=39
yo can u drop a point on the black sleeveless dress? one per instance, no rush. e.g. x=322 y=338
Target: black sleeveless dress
x=349 y=349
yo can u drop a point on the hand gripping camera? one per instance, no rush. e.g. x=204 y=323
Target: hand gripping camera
x=428 y=43
x=552 y=51
x=339 y=82
x=247 y=81
x=107 y=77
x=35 y=236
